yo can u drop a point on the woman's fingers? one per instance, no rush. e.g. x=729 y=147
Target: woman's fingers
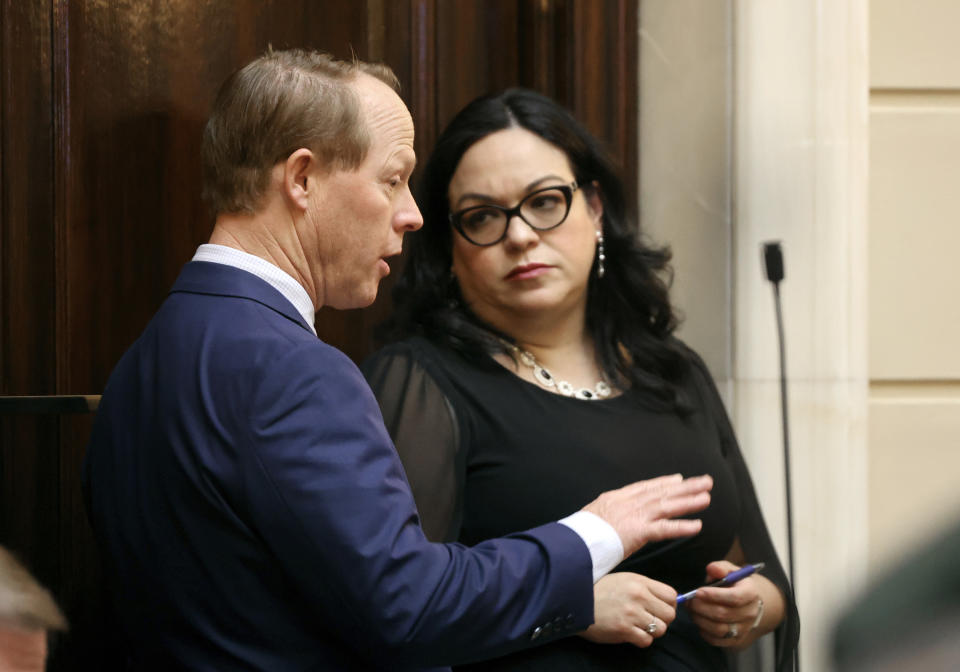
x=725 y=615
x=631 y=608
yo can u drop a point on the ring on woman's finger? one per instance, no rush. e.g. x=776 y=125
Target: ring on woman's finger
x=733 y=632
x=651 y=628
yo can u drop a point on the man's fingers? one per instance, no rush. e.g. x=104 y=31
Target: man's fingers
x=694 y=484
x=636 y=511
x=658 y=530
x=689 y=486
x=677 y=498
x=652 y=485
x=671 y=485
x=669 y=507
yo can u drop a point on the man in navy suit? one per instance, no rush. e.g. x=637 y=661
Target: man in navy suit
x=249 y=504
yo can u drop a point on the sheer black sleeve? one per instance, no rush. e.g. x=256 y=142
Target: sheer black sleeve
x=426 y=432
x=753 y=534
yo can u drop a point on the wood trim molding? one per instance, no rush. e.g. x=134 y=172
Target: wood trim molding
x=49 y=404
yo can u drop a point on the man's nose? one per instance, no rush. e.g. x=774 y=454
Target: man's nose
x=409 y=217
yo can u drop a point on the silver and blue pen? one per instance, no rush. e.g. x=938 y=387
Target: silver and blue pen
x=728 y=580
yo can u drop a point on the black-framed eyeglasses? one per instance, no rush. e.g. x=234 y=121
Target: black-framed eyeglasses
x=543 y=209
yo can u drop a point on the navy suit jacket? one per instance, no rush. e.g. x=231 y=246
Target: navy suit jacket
x=253 y=514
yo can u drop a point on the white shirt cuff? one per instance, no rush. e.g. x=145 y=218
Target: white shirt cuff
x=603 y=542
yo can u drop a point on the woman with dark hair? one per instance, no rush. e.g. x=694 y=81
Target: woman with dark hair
x=533 y=365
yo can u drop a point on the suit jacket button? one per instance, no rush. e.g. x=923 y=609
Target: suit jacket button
x=536 y=633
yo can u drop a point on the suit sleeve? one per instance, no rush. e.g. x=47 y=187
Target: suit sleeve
x=326 y=492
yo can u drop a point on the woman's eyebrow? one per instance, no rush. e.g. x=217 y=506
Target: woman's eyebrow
x=487 y=197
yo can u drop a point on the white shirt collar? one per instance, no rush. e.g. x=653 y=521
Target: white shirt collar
x=284 y=283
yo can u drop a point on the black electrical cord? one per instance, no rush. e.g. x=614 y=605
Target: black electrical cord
x=773 y=265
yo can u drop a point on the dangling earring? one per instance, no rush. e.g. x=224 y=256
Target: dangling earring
x=600 y=256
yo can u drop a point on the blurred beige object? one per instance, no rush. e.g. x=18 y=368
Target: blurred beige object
x=27 y=612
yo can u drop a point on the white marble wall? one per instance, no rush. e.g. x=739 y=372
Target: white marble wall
x=686 y=180
x=754 y=127
x=801 y=129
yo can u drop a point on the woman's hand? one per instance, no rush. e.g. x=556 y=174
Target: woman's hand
x=630 y=608
x=734 y=616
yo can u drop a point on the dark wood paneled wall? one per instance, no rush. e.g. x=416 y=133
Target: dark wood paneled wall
x=101 y=109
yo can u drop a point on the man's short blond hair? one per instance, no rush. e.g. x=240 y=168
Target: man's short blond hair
x=24 y=603
x=273 y=106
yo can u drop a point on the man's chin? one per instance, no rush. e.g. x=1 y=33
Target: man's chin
x=362 y=298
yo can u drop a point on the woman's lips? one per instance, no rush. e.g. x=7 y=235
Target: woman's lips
x=528 y=271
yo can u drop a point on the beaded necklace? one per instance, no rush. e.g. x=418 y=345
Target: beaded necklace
x=600 y=391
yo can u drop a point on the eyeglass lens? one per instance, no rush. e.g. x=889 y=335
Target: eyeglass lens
x=542 y=209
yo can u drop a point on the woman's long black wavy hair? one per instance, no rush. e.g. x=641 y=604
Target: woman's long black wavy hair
x=628 y=311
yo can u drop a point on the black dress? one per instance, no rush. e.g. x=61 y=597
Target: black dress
x=488 y=453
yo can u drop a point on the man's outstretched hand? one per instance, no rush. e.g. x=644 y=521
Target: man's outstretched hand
x=645 y=511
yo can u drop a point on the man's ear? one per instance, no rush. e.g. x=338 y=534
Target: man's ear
x=299 y=177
